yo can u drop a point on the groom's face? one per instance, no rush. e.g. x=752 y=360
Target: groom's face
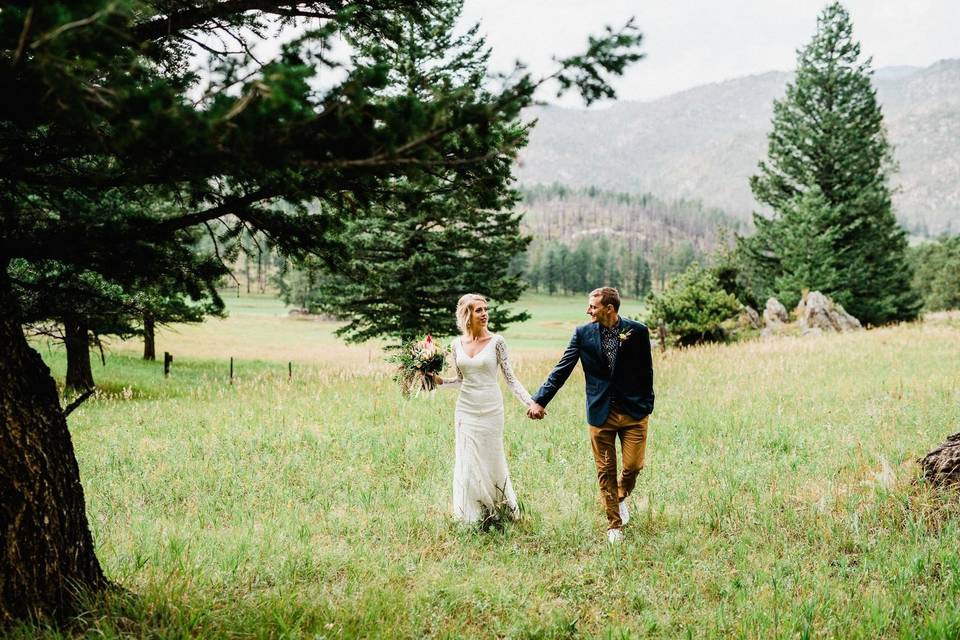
x=596 y=310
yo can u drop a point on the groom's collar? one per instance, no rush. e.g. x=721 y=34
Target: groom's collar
x=615 y=327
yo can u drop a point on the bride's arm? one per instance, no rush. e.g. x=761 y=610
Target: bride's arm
x=451 y=383
x=515 y=385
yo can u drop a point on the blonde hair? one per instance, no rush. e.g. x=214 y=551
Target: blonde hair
x=465 y=307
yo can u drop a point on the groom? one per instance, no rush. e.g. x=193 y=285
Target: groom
x=618 y=367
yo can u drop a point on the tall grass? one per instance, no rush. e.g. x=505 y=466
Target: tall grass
x=318 y=506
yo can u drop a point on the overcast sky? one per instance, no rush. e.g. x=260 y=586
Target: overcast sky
x=693 y=42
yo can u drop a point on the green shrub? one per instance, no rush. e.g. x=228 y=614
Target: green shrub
x=693 y=306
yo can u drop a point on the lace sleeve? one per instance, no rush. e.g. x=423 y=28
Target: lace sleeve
x=515 y=386
x=453 y=383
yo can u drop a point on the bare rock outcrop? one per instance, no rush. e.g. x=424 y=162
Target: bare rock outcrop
x=749 y=318
x=818 y=314
x=941 y=466
x=775 y=313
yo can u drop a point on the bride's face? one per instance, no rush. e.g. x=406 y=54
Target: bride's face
x=480 y=317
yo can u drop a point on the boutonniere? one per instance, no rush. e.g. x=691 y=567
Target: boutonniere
x=625 y=335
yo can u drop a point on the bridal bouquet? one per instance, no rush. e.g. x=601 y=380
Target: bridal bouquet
x=416 y=362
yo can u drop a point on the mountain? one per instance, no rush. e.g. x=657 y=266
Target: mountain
x=705 y=142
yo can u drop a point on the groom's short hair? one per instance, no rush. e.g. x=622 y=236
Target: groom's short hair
x=608 y=295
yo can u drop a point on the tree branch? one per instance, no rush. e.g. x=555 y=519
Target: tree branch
x=24 y=36
x=78 y=401
x=176 y=22
x=389 y=160
x=228 y=206
x=209 y=48
x=76 y=24
x=216 y=251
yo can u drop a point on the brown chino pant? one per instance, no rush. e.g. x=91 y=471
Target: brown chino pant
x=633 y=442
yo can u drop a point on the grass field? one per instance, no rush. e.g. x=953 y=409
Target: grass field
x=317 y=506
x=259 y=328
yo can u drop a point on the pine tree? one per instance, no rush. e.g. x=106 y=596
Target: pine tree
x=405 y=260
x=936 y=268
x=405 y=264
x=641 y=276
x=553 y=268
x=579 y=268
x=825 y=180
x=299 y=283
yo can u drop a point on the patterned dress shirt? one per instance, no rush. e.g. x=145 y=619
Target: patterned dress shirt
x=610 y=342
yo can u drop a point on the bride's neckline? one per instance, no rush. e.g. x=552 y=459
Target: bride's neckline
x=480 y=350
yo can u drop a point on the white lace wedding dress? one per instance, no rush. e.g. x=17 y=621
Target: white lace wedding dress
x=481 y=480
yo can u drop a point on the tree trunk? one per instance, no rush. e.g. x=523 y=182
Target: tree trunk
x=46 y=550
x=79 y=373
x=260 y=285
x=149 y=338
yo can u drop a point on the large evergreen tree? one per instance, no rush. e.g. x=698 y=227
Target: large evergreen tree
x=825 y=180
x=406 y=263
x=408 y=258
x=104 y=107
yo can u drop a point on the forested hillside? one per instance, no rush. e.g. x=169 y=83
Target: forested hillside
x=587 y=237
x=705 y=142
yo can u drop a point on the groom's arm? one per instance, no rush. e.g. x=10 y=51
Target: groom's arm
x=640 y=370
x=560 y=372
x=646 y=361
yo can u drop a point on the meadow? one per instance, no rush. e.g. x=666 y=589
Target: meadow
x=778 y=498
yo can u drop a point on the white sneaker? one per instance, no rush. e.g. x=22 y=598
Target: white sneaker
x=624 y=513
x=614 y=536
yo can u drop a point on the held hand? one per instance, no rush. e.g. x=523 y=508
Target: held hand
x=437 y=380
x=535 y=411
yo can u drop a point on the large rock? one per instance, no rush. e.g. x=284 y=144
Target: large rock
x=817 y=314
x=942 y=465
x=748 y=318
x=774 y=313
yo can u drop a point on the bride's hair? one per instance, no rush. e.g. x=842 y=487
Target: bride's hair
x=465 y=310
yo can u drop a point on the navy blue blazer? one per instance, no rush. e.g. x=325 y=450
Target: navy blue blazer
x=631 y=381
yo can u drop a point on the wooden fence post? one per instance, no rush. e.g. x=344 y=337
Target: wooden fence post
x=231 y=369
x=290 y=371
x=167 y=359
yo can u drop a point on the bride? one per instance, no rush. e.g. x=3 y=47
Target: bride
x=481 y=480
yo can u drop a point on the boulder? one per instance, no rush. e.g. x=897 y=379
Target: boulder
x=817 y=314
x=941 y=466
x=774 y=313
x=749 y=318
